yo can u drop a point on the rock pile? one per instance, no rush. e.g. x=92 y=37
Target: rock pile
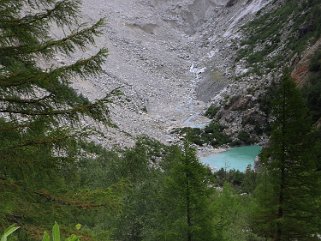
x=172 y=59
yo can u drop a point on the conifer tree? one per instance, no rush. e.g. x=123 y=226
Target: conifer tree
x=288 y=192
x=185 y=197
x=41 y=142
x=36 y=97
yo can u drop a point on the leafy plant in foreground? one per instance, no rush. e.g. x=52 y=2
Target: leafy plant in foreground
x=56 y=235
x=10 y=230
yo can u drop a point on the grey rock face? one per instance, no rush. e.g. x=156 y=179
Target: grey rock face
x=172 y=59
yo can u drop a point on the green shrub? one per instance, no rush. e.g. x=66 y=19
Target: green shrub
x=211 y=111
x=245 y=138
x=213 y=134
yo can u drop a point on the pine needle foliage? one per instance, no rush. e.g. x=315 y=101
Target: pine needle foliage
x=288 y=193
x=41 y=139
x=39 y=110
x=26 y=43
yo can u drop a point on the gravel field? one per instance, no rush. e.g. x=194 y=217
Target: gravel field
x=170 y=58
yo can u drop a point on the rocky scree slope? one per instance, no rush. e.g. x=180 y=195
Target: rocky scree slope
x=171 y=59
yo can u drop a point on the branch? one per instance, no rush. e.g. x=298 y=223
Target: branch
x=13 y=127
x=73 y=203
x=77 y=38
x=79 y=109
x=26 y=101
x=83 y=67
x=64 y=12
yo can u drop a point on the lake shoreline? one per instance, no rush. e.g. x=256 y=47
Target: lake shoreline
x=209 y=150
x=229 y=158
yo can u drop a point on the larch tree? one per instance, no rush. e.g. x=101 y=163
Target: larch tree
x=288 y=193
x=37 y=102
x=184 y=197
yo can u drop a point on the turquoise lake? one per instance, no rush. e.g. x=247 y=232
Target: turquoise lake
x=235 y=158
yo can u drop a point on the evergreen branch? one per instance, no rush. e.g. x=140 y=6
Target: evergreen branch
x=79 y=109
x=14 y=127
x=37 y=142
x=25 y=101
x=55 y=137
x=19 y=79
x=73 y=203
x=83 y=67
x=52 y=198
x=8 y=8
x=63 y=13
x=77 y=38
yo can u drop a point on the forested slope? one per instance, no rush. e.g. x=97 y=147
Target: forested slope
x=50 y=171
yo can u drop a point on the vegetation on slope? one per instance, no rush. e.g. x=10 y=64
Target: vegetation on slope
x=288 y=195
x=212 y=135
x=149 y=192
x=39 y=153
x=312 y=90
x=273 y=38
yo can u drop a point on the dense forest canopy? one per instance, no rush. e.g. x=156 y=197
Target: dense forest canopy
x=50 y=171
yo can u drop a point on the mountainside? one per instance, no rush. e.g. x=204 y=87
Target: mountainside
x=170 y=58
x=194 y=75
x=284 y=37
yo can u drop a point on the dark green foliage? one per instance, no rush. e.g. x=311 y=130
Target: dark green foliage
x=266 y=100
x=233 y=177
x=313 y=95
x=193 y=135
x=151 y=197
x=213 y=134
x=312 y=90
x=315 y=64
x=136 y=168
x=242 y=182
x=186 y=189
x=211 y=112
x=36 y=147
x=160 y=199
x=148 y=198
x=249 y=181
x=40 y=139
x=137 y=194
x=266 y=105
x=289 y=184
x=105 y=193
x=230 y=218
x=298 y=19
x=244 y=138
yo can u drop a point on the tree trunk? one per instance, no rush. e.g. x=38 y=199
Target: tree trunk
x=278 y=234
x=188 y=209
